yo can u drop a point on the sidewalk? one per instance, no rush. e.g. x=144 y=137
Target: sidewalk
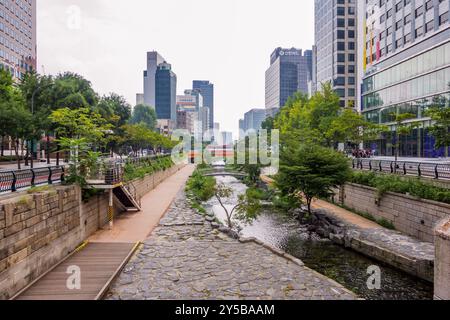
x=134 y=227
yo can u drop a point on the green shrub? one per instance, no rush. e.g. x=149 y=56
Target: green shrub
x=392 y=183
x=146 y=167
x=201 y=187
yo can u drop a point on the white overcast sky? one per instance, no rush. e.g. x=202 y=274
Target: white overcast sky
x=225 y=41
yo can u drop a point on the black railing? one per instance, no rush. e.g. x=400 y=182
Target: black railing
x=439 y=171
x=15 y=180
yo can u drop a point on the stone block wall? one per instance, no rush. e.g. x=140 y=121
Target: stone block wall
x=150 y=182
x=442 y=261
x=39 y=230
x=412 y=216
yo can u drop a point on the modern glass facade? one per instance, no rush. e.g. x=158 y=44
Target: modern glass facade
x=335 y=42
x=289 y=72
x=408 y=46
x=206 y=89
x=166 y=88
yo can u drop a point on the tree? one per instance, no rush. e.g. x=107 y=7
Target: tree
x=309 y=119
x=440 y=114
x=310 y=171
x=144 y=114
x=15 y=118
x=246 y=210
x=117 y=112
x=73 y=91
x=351 y=127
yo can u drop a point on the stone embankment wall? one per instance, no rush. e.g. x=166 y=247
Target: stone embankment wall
x=39 y=230
x=412 y=216
x=442 y=262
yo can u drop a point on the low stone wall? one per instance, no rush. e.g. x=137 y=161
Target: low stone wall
x=442 y=261
x=39 y=230
x=150 y=182
x=415 y=217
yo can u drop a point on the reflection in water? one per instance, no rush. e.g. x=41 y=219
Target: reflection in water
x=344 y=266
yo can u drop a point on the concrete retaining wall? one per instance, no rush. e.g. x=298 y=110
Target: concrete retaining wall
x=39 y=230
x=415 y=217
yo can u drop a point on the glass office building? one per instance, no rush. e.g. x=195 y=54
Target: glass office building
x=166 y=93
x=289 y=72
x=206 y=89
x=408 y=70
x=336 y=53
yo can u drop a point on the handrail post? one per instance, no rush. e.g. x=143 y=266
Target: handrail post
x=404 y=168
x=62 y=174
x=392 y=167
x=419 y=171
x=436 y=172
x=33 y=177
x=380 y=165
x=50 y=175
x=370 y=165
x=13 y=185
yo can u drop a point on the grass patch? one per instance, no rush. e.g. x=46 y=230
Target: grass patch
x=382 y=221
x=47 y=188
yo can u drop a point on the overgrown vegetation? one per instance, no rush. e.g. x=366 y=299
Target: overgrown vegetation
x=146 y=166
x=199 y=189
x=391 y=183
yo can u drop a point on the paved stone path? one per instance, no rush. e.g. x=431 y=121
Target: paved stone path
x=185 y=258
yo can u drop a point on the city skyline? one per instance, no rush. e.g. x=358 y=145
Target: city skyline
x=109 y=48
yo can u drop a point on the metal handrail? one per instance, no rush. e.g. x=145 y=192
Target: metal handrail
x=15 y=180
x=438 y=171
x=109 y=170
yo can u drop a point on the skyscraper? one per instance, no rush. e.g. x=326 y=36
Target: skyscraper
x=407 y=69
x=206 y=89
x=153 y=60
x=18 y=37
x=253 y=119
x=289 y=72
x=335 y=41
x=165 y=92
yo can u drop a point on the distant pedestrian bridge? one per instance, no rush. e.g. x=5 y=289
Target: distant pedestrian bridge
x=221 y=171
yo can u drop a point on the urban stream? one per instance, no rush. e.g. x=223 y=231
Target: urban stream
x=338 y=263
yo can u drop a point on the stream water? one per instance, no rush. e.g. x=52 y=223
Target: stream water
x=338 y=263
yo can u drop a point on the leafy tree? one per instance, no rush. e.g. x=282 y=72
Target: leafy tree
x=144 y=114
x=246 y=210
x=440 y=114
x=351 y=127
x=117 y=112
x=15 y=118
x=308 y=120
x=310 y=171
x=73 y=91
x=80 y=123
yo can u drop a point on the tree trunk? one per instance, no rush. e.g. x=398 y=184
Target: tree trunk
x=2 y=151
x=47 y=149
x=17 y=154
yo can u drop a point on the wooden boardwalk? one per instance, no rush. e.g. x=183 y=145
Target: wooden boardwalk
x=98 y=263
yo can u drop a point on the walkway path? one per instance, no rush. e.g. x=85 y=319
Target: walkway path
x=185 y=258
x=134 y=227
